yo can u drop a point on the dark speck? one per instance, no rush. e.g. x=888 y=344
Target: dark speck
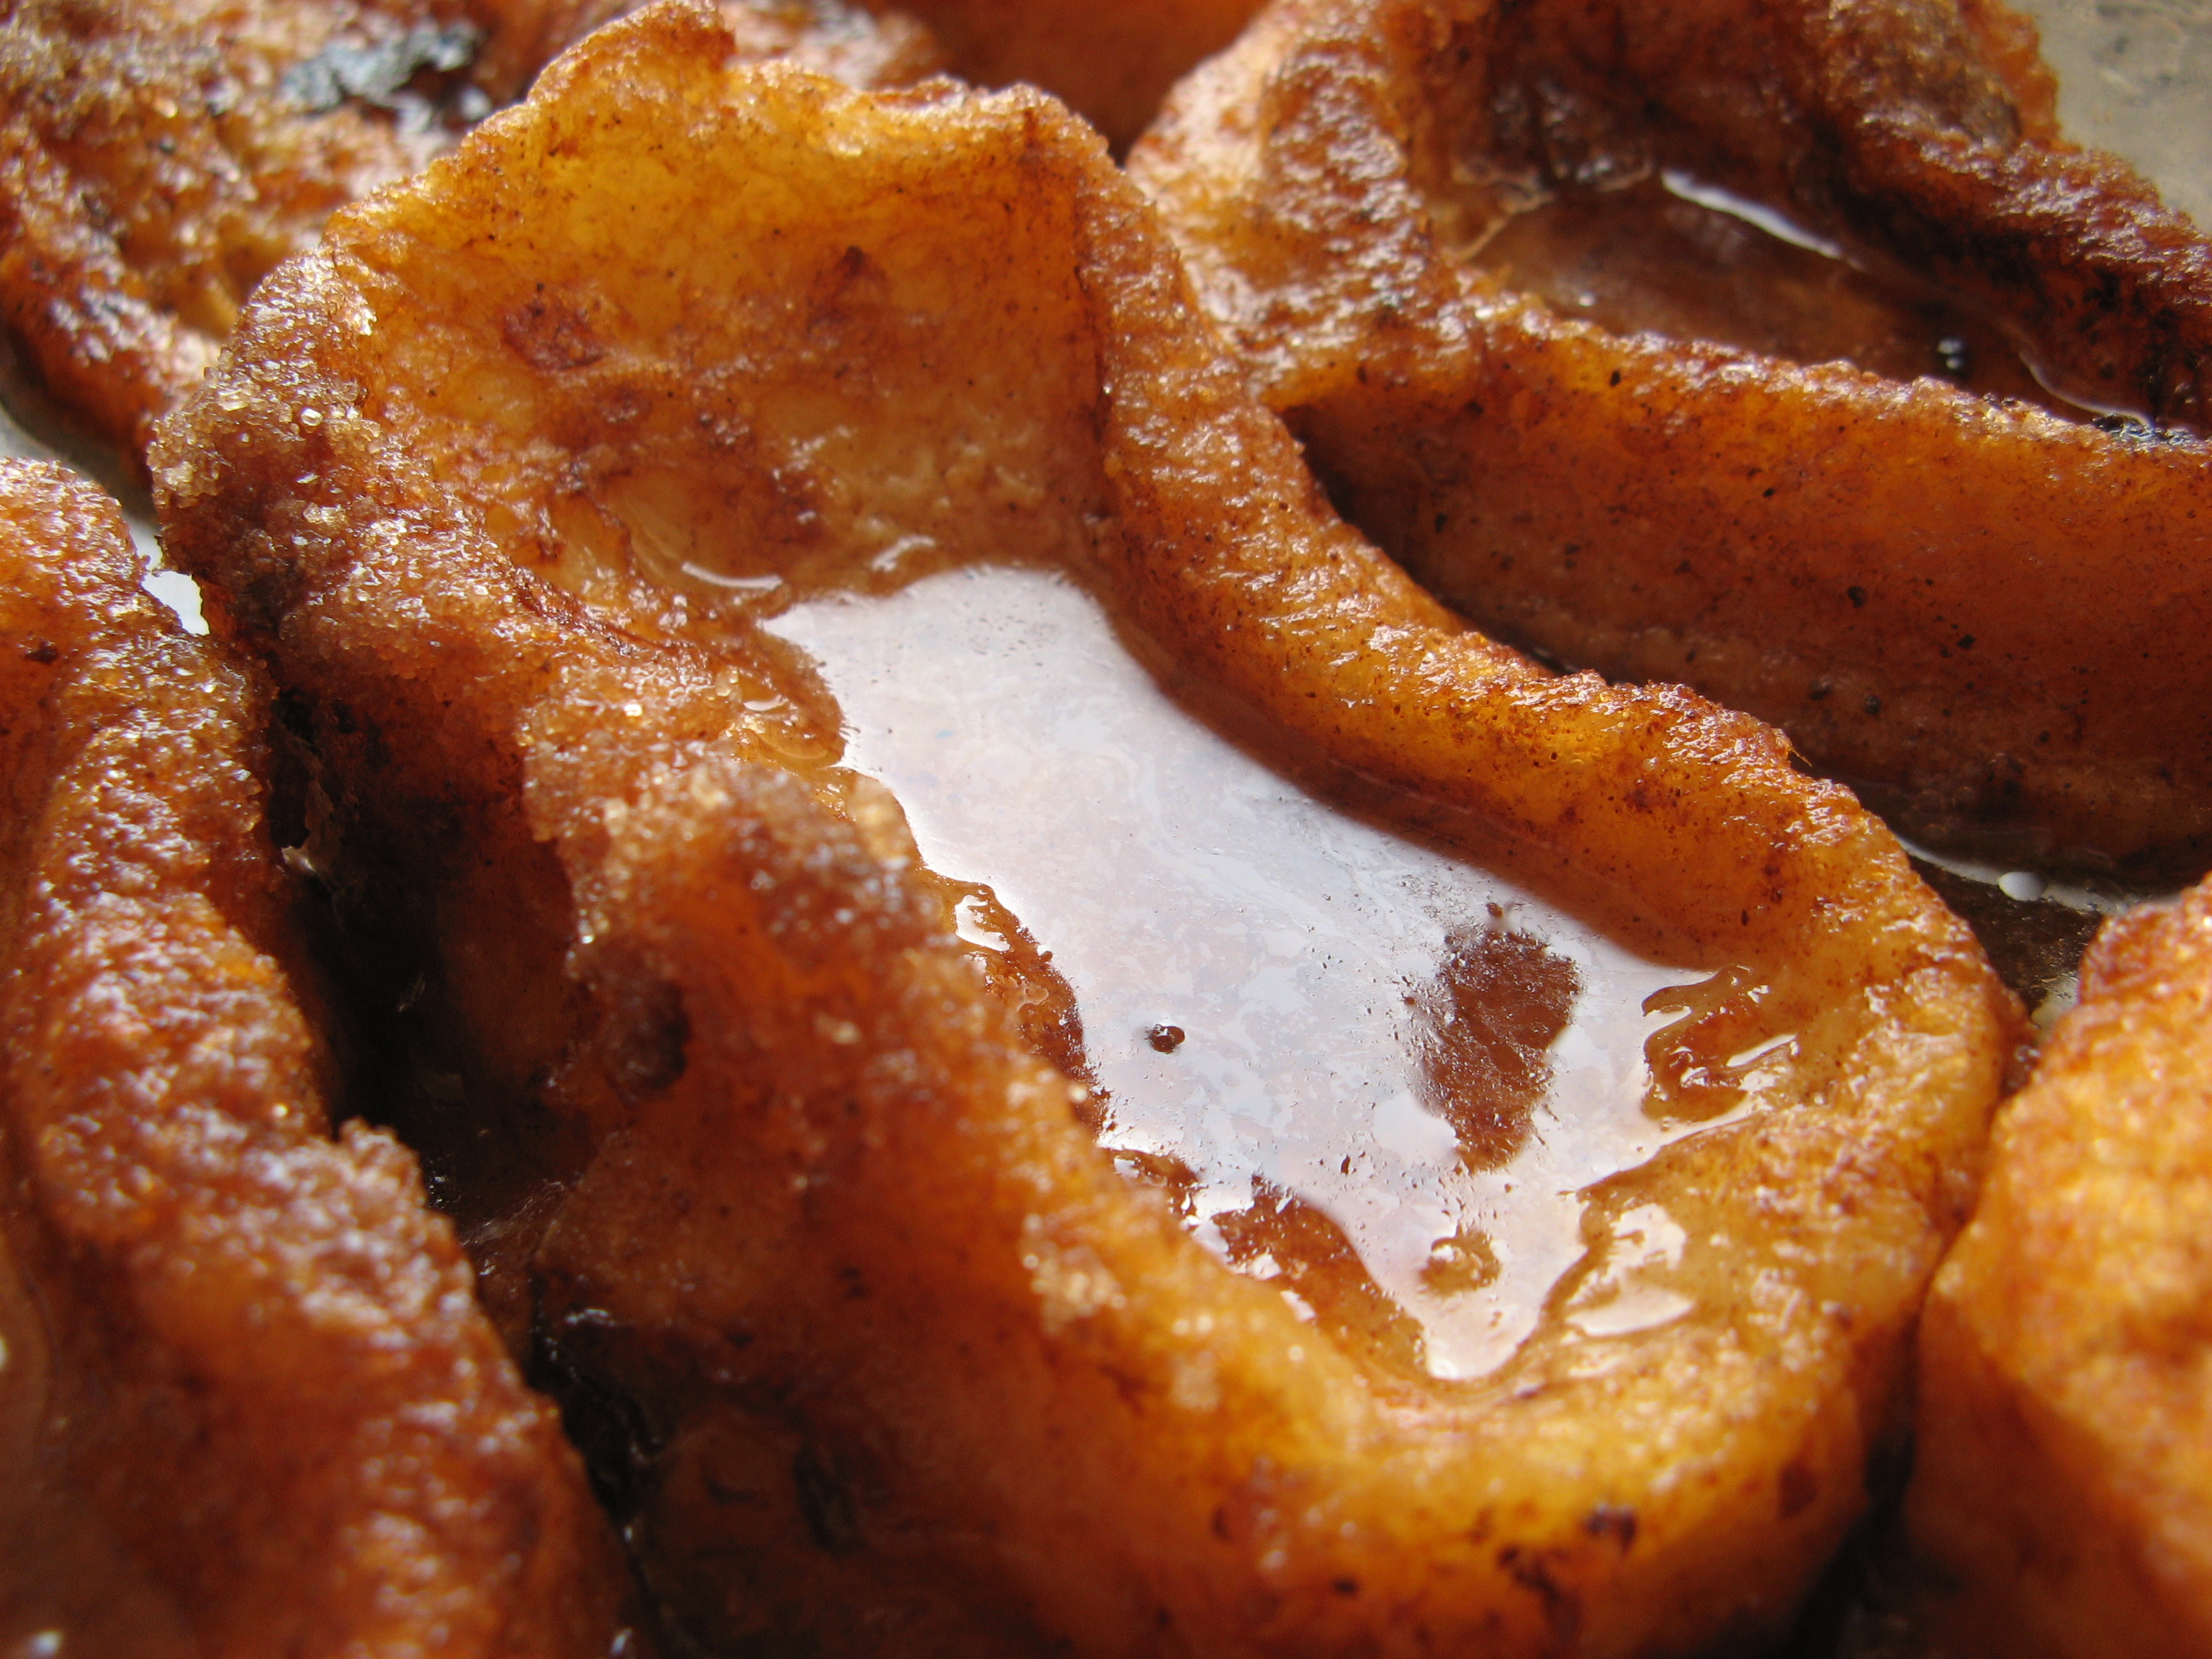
x=1614 y=1520
x=1855 y=595
x=1873 y=704
x=825 y=1503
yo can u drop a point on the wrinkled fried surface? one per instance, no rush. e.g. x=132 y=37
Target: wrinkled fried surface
x=2064 y=1479
x=862 y=1327
x=1992 y=620
x=249 y=1406
x=158 y=157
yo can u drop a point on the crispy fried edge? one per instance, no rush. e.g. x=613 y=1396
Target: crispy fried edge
x=2062 y=1489
x=277 y=1384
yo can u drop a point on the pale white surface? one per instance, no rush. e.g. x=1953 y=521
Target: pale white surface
x=2135 y=76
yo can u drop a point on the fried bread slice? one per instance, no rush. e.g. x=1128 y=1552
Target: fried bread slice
x=1986 y=616
x=158 y=157
x=251 y=1406
x=884 y=1353
x=2062 y=1491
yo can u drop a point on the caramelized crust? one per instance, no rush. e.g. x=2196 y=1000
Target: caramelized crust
x=1989 y=618
x=158 y=157
x=2063 y=1483
x=870 y=1338
x=250 y=1406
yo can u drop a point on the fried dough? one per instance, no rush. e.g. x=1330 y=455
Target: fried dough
x=868 y=1336
x=158 y=157
x=247 y=1403
x=1991 y=620
x=2065 y=1477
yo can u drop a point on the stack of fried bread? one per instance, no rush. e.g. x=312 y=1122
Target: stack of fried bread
x=506 y=811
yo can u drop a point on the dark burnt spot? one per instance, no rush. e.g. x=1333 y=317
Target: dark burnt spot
x=1532 y=1570
x=551 y=335
x=294 y=714
x=855 y=288
x=648 y=1035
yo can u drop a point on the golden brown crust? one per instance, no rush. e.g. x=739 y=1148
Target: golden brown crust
x=2064 y=1486
x=158 y=157
x=889 y=1357
x=1990 y=619
x=153 y=167
x=264 y=1369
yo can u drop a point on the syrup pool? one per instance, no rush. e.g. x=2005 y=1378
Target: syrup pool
x=1183 y=887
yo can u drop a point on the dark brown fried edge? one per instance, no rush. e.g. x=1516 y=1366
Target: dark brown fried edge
x=268 y=1374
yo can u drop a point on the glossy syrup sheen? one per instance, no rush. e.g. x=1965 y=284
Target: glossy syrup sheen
x=1360 y=1064
x=1665 y=255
